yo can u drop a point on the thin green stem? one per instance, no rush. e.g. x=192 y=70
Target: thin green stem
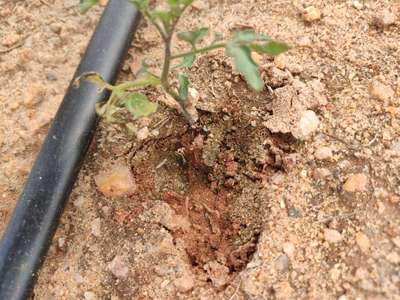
x=167 y=62
x=197 y=51
x=166 y=35
x=138 y=83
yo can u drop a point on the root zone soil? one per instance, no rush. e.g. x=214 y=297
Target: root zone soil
x=219 y=228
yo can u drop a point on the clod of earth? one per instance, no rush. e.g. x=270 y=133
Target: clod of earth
x=332 y=236
x=381 y=91
x=307 y=125
x=311 y=14
x=384 y=19
x=363 y=242
x=119 y=267
x=356 y=183
x=116 y=182
x=323 y=153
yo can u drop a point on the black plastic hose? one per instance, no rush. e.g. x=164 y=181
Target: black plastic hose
x=34 y=220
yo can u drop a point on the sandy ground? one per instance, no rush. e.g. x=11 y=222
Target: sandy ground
x=291 y=193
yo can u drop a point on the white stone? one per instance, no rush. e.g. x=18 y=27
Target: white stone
x=143 y=133
x=311 y=14
x=118 y=267
x=363 y=242
x=323 y=153
x=332 y=236
x=307 y=125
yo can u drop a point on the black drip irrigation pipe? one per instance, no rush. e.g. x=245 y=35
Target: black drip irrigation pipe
x=35 y=218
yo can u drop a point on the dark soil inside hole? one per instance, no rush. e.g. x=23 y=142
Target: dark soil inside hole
x=213 y=176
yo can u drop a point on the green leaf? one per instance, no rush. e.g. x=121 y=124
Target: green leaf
x=183 y=86
x=140 y=4
x=165 y=17
x=85 y=5
x=193 y=37
x=173 y=3
x=270 y=47
x=245 y=64
x=245 y=36
x=186 y=2
x=187 y=61
x=139 y=105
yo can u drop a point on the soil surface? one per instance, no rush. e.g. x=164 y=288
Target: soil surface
x=290 y=193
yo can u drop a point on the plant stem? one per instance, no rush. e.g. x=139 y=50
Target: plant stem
x=166 y=35
x=165 y=83
x=200 y=50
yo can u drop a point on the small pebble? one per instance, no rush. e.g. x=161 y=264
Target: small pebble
x=34 y=95
x=61 y=243
x=363 y=242
x=280 y=61
x=78 y=278
x=384 y=19
x=293 y=212
x=116 y=182
x=311 y=14
x=393 y=257
x=304 y=41
x=282 y=263
x=89 y=296
x=51 y=76
x=357 y=5
x=332 y=236
x=79 y=201
x=307 y=125
x=277 y=178
x=184 y=284
x=143 y=133
x=106 y=210
x=118 y=267
x=10 y=40
x=396 y=147
x=56 y=28
x=356 y=183
x=321 y=173
x=289 y=249
x=323 y=153
x=381 y=91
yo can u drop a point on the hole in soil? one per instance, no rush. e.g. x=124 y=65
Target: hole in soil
x=212 y=235
x=212 y=176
